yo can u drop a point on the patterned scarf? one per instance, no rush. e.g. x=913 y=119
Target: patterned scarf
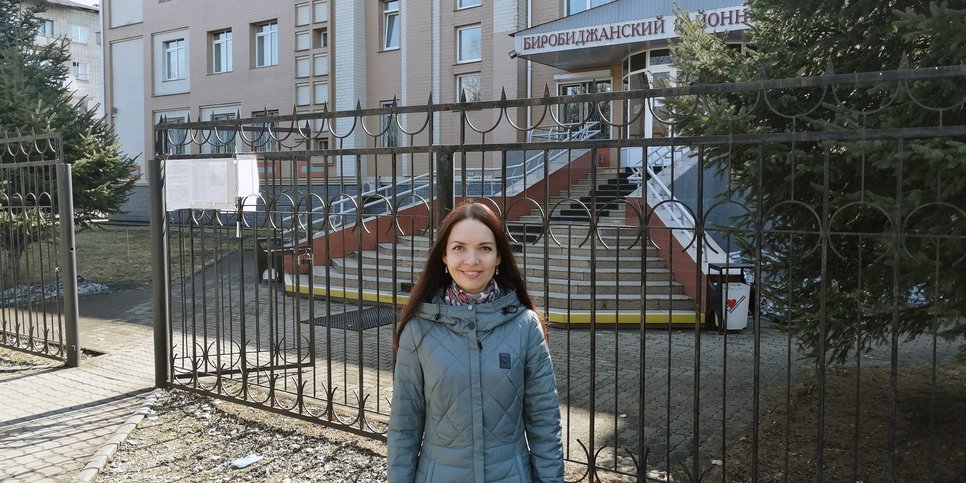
x=458 y=297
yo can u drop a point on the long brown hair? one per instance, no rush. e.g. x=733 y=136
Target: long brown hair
x=433 y=279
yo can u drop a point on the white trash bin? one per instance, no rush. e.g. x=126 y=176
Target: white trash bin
x=734 y=305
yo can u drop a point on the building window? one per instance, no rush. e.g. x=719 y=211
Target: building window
x=222 y=140
x=468 y=86
x=303 y=40
x=174 y=60
x=80 y=71
x=78 y=33
x=266 y=44
x=176 y=140
x=321 y=92
x=320 y=12
x=303 y=95
x=390 y=129
x=221 y=52
x=390 y=24
x=576 y=6
x=265 y=137
x=46 y=28
x=320 y=37
x=467 y=3
x=302 y=14
x=321 y=64
x=468 y=44
x=302 y=67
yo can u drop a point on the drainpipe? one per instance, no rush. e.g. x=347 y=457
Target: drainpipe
x=529 y=65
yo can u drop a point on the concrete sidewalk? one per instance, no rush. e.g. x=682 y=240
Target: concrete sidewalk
x=54 y=422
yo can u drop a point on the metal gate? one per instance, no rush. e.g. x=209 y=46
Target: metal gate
x=634 y=248
x=38 y=284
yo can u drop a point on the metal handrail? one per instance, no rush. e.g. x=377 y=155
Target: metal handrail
x=678 y=218
x=344 y=208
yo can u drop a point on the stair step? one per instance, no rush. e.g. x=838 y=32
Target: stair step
x=561 y=260
x=604 y=288
x=537 y=250
x=556 y=301
x=533 y=272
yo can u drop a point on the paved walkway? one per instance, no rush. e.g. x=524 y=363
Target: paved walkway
x=54 y=422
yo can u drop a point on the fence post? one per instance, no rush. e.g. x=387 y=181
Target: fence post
x=65 y=205
x=444 y=185
x=159 y=271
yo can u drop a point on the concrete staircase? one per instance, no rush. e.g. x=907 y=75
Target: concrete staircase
x=574 y=276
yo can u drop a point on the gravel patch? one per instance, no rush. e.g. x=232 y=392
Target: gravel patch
x=24 y=294
x=189 y=437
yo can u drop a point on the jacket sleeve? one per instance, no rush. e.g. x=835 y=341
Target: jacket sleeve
x=408 y=411
x=541 y=409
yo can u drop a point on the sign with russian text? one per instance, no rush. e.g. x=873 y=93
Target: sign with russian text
x=215 y=183
x=660 y=27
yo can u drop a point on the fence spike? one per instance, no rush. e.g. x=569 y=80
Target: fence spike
x=904 y=61
x=829 y=68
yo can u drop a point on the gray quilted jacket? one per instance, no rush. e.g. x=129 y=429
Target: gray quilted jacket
x=474 y=397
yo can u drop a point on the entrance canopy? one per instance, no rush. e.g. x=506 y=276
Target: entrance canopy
x=605 y=35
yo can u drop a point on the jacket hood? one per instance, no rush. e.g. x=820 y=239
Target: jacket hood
x=485 y=316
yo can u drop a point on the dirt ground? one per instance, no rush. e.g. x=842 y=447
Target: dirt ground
x=188 y=437
x=930 y=428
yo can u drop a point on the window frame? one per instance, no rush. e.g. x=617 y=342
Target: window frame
x=173 y=48
x=42 y=29
x=303 y=62
x=320 y=38
x=300 y=10
x=225 y=47
x=231 y=145
x=298 y=94
x=303 y=40
x=79 y=34
x=389 y=127
x=318 y=7
x=460 y=88
x=320 y=60
x=588 y=4
x=79 y=74
x=459 y=43
x=266 y=44
x=390 y=20
x=170 y=146
x=265 y=128
x=464 y=4
x=316 y=87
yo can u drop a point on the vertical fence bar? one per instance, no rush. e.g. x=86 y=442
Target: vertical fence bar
x=65 y=200
x=444 y=172
x=159 y=271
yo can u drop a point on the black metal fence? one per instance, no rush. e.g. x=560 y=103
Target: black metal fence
x=819 y=238
x=38 y=288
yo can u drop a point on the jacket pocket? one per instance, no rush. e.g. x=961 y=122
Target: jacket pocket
x=426 y=472
x=523 y=467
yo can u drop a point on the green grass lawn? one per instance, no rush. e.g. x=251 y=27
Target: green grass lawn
x=115 y=255
x=120 y=256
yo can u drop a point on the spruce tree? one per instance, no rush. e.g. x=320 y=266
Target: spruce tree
x=872 y=188
x=34 y=99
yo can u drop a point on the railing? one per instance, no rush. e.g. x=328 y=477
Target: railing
x=344 y=211
x=840 y=248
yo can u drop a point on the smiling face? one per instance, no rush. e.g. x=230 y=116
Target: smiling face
x=471 y=255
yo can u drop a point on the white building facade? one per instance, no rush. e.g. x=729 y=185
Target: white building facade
x=80 y=24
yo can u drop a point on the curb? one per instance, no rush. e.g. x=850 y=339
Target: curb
x=103 y=455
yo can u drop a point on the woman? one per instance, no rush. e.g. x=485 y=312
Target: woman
x=474 y=397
